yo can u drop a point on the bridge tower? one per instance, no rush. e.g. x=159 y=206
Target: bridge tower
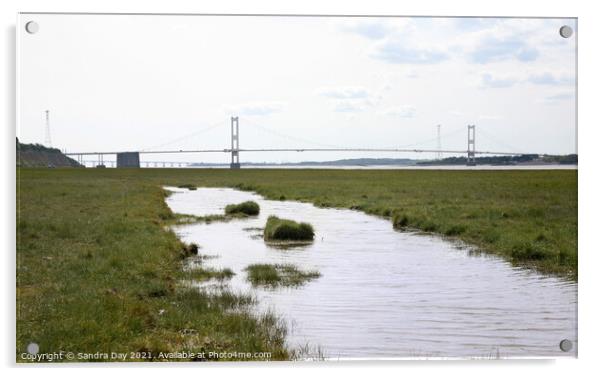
x=471 y=159
x=235 y=163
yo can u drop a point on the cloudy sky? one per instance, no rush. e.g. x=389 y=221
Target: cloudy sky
x=172 y=82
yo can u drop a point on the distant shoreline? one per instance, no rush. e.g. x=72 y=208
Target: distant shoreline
x=392 y=167
x=520 y=161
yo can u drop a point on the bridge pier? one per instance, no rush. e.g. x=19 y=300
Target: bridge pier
x=100 y=161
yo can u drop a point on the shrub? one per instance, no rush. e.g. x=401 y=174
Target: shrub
x=285 y=229
x=247 y=208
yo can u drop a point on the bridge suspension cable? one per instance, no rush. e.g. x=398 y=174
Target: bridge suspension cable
x=294 y=138
x=496 y=140
x=433 y=139
x=187 y=136
x=331 y=146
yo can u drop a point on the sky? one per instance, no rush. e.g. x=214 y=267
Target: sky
x=119 y=83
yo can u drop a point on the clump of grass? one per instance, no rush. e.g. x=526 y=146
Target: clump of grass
x=278 y=275
x=246 y=208
x=188 y=250
x=252 y=229
x=191 y=187
x=308 y=352
x=213 y=218
x=187 y=218
x=203 y=274
x=286 y=229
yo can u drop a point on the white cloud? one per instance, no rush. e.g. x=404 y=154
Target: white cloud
x=349 y=106
x=254 y=108
x=478 y=40
x=550 y=78
x=346 y=92
x=349 y=98
x=395 y=40
x=371 y=29
x=406 y=111
x=489 y=117
x=497 y=82
x=555 y=98
x=399 y=50
x=493 y=48
x=546 y=78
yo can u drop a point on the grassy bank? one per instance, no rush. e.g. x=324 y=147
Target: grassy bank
x=98 y=272
x=96 y=267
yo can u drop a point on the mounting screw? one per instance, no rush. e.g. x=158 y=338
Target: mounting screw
x=33 y=348
x=566 y=345
x=32 y=27
x=566 y=31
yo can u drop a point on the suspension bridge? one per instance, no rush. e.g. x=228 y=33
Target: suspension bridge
x=235 y=150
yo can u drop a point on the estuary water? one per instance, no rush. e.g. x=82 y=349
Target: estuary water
x=384 y=293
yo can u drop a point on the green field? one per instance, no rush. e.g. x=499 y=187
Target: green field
x=98 y=271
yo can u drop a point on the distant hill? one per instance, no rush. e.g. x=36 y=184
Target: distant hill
x=36 y=155
x=363 y=162
x=496 y=160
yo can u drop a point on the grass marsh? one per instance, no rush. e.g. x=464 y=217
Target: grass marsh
x=98 y=269
x=96 y=261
